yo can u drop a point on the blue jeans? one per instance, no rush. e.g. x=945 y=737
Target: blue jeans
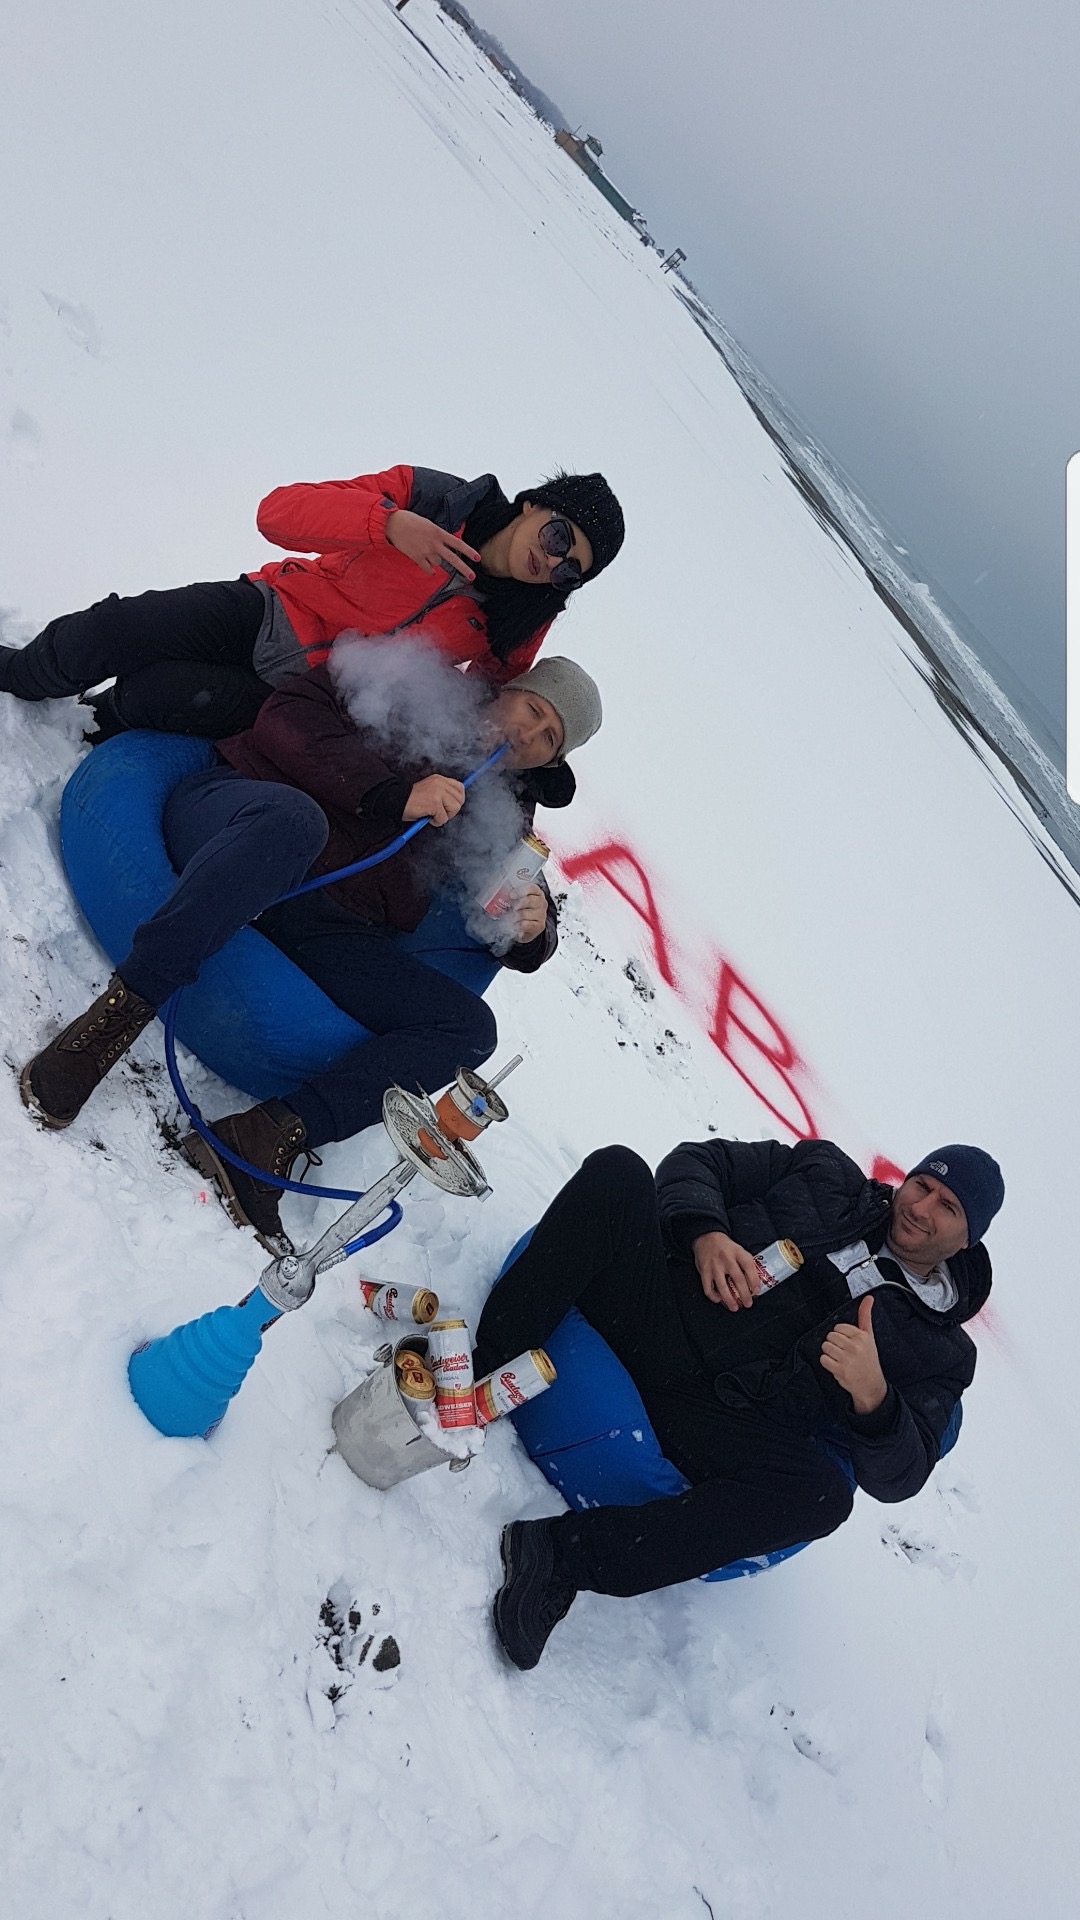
x=238 y=845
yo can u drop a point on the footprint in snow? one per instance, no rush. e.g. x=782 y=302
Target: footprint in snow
x=912 y=1543
x=958 y=1497
x=78 y=323
x=935 y=1753
x=353 y=1647
x=24 y=437
x=812 y=1745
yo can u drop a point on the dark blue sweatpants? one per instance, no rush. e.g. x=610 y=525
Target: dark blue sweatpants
x=237 y=845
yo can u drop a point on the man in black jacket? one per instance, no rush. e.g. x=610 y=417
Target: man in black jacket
x=750 y=1390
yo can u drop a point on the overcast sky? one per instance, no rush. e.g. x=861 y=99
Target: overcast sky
x=881 y=199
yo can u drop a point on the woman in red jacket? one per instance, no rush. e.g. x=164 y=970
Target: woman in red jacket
x=479 y=576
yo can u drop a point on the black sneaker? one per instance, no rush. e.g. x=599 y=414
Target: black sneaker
x=534 y=1596
x=56 y=1084
x=270 y=1136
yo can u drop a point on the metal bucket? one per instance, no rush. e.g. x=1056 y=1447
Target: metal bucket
x=376 y=1433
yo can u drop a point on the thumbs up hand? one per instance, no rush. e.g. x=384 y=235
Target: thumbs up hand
x=850 y=1354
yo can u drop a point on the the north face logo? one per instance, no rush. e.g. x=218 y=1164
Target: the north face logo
x=940 y=1167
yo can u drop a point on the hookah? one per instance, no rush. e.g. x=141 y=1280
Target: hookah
x=184 y=1381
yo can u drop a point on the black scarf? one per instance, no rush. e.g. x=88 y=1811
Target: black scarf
x=514 y=610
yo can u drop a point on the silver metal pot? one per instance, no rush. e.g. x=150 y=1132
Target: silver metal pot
x=376 y=1432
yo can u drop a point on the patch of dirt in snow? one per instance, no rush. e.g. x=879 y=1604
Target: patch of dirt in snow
x=935 y=1526
x=620 y=991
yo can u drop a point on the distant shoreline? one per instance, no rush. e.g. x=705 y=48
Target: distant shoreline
x=987 y=721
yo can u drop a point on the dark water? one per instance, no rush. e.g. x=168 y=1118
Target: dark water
x=963 y=685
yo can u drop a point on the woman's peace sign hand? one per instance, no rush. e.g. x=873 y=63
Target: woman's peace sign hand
x=428 y=545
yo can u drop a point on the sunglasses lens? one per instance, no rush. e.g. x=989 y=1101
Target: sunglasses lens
x=556 y=538
x=566 y=575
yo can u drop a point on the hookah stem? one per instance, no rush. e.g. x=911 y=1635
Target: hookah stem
x=503 y=1071
x=478 y=1104
x=171 y=1005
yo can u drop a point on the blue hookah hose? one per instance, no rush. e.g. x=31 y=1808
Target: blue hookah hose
x=169 y=1011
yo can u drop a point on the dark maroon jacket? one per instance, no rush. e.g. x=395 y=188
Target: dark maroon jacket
x=303 y=737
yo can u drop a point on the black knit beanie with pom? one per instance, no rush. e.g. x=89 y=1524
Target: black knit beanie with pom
x=514 y=609
x=588 y=501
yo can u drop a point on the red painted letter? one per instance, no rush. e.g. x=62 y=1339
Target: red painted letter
x=622 y=870
x=748 y=1042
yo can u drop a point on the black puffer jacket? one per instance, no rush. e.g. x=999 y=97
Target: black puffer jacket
x=768 y=1357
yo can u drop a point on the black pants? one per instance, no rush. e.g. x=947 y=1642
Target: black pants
x=181 y=659
x=755 y=1485
x=238 y=844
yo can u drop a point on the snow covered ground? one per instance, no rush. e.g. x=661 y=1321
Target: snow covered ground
x=286 y=240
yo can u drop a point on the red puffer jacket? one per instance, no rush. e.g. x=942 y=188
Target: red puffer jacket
x=358 y=581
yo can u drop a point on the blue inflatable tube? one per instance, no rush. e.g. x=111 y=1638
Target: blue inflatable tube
x=252 y=1016
x=591 y=1437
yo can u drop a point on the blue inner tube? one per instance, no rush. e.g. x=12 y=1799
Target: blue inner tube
x=252 y=1016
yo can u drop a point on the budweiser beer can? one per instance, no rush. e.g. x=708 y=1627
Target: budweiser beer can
x=392 y=1302
x=517 y=875
x=520 y=1380
x=777 y=1263
x=450 y=1358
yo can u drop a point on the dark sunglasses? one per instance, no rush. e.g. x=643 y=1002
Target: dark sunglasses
x=556 y=536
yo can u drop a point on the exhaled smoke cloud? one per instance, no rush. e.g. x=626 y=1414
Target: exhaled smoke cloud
x=469 y=855
x=427 y=717
x=411 y=699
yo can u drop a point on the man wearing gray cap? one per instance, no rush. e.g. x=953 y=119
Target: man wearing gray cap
x=338 y=761
x=770 y=1399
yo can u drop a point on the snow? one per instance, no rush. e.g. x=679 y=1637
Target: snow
x=282 y=240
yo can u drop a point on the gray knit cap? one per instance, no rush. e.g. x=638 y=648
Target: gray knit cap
x=574 y=696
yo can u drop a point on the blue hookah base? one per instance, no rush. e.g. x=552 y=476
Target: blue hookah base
x=184 y=1381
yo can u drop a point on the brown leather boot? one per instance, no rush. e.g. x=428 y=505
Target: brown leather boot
x=270 y=1136
x=56 y=1084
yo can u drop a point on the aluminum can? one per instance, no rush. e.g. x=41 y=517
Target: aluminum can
x=517 y=875
x=414 y=1383
x=520 y=1380
x=777 y=1263
x=450 y=1359
x=454 y=1409
x=392 y=1302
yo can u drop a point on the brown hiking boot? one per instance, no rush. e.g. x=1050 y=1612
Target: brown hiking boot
x=270 y=1136
x=56 y=1084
